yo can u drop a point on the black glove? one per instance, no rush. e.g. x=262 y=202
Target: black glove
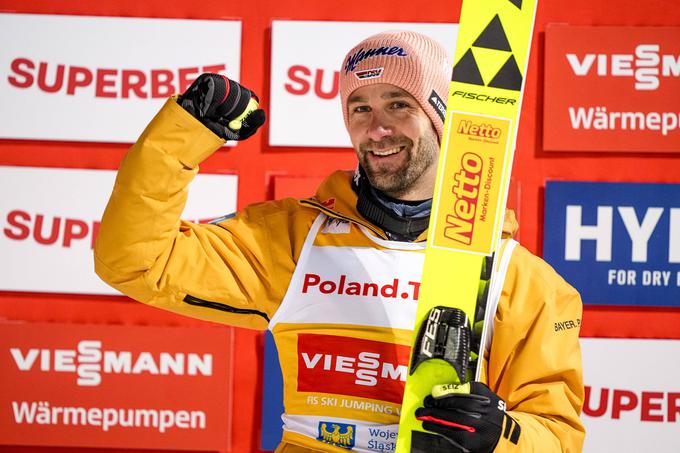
x=470 y=416
x=223 y=106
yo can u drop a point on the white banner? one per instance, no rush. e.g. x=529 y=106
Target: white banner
x=633 y=395
x=49 y=219
x=102 y=79
x=306 y=59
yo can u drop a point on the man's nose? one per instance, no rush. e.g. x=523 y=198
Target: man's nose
x=379 y=127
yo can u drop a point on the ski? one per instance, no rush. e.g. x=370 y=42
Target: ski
x=473 y=175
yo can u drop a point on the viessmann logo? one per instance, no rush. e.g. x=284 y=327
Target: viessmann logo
x=343 y=286
x=646 y=65
x=88 y=361
x=352 y=366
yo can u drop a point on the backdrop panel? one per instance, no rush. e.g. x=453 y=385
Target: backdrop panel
x=115 y=386
x=49 y=224
x=102 y=79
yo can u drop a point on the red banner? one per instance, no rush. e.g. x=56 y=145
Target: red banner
x=612 y=89
x=352 y=366
x=115 y=386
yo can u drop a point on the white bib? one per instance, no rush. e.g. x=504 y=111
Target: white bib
x=343 y=333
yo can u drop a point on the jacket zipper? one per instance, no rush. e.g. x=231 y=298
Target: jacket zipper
x=191 y=300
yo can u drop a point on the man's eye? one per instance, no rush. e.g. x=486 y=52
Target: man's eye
x=362 y=109
x=399 y=105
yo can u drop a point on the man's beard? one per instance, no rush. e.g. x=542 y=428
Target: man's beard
x=397 y=182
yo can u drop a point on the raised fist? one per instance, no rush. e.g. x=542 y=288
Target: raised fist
x=223 y=106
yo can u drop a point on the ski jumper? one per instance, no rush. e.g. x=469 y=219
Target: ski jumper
x=339 y=297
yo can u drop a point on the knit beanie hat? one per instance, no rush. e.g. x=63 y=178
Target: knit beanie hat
x=411 y=61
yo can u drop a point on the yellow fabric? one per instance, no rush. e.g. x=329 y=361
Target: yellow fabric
x=245 y=263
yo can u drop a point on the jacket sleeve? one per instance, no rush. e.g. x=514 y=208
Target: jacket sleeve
x=233 y=272
x=535 y=358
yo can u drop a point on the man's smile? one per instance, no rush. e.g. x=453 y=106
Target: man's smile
x=387 y=152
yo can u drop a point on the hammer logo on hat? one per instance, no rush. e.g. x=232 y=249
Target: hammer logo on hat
x=361 y=55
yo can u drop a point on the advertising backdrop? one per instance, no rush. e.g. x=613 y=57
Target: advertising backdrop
x=49 y=224
x=47 y=36
x=102 y=79
x=617 y=243
x=115 y=386
x=612 y=89
x=632 y=395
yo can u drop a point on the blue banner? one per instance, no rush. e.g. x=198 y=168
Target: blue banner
x=616 y=243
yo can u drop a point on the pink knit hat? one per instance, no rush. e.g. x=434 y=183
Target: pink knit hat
x=414 y=62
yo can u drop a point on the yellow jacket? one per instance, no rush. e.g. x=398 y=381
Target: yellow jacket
x=237 y=272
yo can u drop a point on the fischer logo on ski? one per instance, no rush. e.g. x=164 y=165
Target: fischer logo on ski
x=493 y=37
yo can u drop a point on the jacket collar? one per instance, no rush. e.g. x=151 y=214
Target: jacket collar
x=335 y=198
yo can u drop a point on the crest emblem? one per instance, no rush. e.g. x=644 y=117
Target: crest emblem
x=338 y=434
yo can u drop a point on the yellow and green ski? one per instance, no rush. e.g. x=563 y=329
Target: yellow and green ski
x=478 y=143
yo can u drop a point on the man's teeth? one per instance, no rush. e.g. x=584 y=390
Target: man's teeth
x=387 y=152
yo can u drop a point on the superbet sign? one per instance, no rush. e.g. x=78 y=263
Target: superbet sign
x=103 y=78
x=632 y=396
x=306 y=60
x=612 y=89
x=115 y=386
x=49 y=225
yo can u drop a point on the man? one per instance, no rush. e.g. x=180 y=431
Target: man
x=336 y=277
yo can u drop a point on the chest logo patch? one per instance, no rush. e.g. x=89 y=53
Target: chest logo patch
x=352 y=367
